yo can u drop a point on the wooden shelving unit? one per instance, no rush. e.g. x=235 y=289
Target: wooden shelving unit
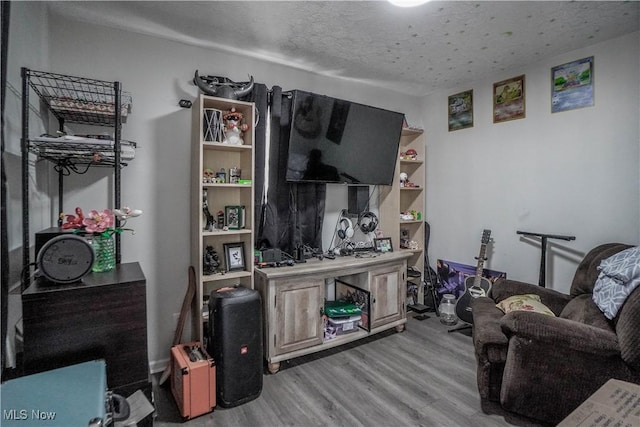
x=397 y=199
x=216 y=155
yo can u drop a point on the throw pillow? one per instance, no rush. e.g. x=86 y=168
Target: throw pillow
x=619 y=276
x=609 y=294
x=623 y=266
x=527 y=302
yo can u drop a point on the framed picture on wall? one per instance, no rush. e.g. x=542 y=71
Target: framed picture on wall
x=234 y=256
x=461 y=110
x=509 y=100
x=572 y=85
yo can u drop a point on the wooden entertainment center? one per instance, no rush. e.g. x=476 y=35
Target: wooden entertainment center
x=294 y=298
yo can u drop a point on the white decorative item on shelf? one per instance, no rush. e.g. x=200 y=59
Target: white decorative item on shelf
x=212 y=129
x=233 y=127
x=404 y=178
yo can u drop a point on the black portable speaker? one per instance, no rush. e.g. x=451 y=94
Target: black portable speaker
x=47 y=234
x=235 y=343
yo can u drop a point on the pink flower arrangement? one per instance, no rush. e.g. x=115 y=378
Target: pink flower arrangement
x=100 y=222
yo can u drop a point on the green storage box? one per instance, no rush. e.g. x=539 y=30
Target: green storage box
x=335 y=309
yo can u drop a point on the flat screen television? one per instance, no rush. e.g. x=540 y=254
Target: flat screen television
x=338 y=141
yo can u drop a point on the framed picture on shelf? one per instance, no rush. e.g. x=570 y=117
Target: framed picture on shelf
x=572 y=85
x=383 y=244
x=508 y=100
x=461 y=110
x=234 y=217
x=234 y=256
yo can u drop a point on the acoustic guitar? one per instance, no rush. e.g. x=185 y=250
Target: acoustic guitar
x=475 y=286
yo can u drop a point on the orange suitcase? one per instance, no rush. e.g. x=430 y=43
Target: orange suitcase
x=193 y=379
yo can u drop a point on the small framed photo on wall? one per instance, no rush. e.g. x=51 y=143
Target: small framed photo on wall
x=509 y=100
x=572 y=85
x=461 y=110
x=234 y=256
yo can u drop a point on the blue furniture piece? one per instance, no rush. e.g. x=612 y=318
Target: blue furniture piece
x=71 y=396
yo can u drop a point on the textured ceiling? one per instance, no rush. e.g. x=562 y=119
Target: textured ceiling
x=439 y=45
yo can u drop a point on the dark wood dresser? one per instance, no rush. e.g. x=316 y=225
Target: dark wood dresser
x=102 y=317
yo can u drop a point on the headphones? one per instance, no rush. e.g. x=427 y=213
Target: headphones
x=346 y=229
x=368 y=222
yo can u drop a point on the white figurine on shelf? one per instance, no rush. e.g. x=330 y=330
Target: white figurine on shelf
x=233 y=127
x=404 y=179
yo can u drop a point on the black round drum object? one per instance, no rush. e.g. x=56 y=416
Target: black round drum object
x=65 y=259
x=235 y=343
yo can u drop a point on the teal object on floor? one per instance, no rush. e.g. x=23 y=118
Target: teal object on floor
x=65 y=397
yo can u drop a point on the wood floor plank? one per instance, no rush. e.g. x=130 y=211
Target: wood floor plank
x=424 y=376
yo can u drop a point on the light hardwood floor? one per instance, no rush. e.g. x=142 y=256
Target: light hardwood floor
x=424 y=376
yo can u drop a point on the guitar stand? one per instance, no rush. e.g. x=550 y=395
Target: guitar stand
x=429 y=285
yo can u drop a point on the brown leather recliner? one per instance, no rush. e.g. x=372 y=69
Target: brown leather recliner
x=543 y=367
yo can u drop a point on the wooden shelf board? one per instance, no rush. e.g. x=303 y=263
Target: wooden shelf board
x=229 y=275
x=337 y=341
x=412 y=131
x=226 y=232
x=413 y=221
x=225 y=147
x=411 y=162
x=414 y=251
x=226 y=185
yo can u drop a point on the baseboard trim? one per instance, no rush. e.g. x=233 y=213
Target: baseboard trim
x=156 y=366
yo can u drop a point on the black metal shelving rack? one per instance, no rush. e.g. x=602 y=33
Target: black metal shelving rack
x=70 y=100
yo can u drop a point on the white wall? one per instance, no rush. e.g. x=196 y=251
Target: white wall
x=568 y=173
x=28 y=34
